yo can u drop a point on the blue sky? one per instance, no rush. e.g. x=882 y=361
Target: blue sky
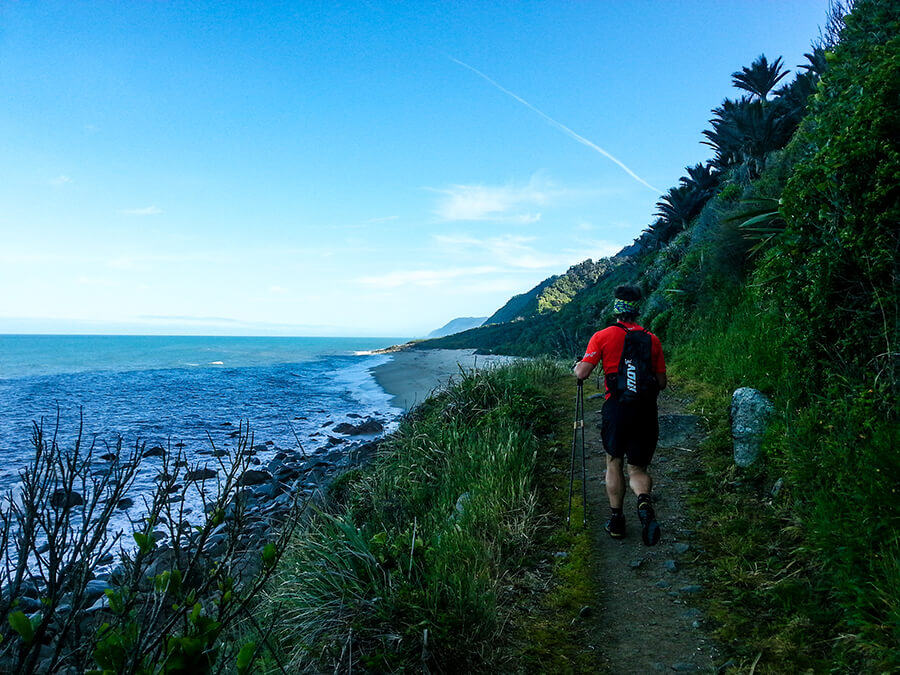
x=331 y=168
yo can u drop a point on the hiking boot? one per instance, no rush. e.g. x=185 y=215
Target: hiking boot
x=616 y=525
x=650 y=531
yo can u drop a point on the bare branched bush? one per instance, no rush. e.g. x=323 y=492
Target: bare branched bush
x=180 y=582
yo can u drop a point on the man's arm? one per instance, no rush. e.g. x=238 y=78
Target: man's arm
x=659 y=362
x=662 y=380
x=583 y=370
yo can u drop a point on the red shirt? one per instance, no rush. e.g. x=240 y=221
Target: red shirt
x=605 y=348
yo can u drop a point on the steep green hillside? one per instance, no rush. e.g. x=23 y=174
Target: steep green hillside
x=775 y=265
x=562 y=333
x=520 y=306
x=552 y=294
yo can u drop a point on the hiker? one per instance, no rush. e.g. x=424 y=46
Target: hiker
x=629 y=428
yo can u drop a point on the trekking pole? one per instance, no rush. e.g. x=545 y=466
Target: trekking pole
x=579 y=424
x=584 y=504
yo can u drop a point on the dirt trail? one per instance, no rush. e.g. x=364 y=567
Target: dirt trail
x=646 y=618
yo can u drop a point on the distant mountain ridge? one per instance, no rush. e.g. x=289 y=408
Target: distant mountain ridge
x=457 y=326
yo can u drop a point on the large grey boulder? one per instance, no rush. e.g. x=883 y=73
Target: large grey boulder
x=64 y=499
x=370 y=426
x=254 y=477
x=750 y=414
x=200 y=474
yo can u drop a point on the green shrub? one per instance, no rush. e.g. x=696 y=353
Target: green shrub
x=834 y=274
x=407 y=572
x=840 y=456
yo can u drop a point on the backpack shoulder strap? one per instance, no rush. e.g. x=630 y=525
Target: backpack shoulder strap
x=631 y=330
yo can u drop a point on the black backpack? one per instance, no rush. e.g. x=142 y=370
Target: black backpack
x=635 y=380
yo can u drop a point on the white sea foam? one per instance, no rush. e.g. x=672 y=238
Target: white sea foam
x=362 y=386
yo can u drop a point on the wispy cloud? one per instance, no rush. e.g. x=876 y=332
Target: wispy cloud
x=501 y=285
x=188 y=319
x=60 y=180
x=500 y=203
x=145 y=211
x=228 y=325
x=562 y=127
x=507 y=250
x=136 y=261
x=423 y=277
x=596 y=248
x=85 y=280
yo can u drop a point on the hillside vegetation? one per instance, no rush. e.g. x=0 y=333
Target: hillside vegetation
x=552 y=294
x=775 y=265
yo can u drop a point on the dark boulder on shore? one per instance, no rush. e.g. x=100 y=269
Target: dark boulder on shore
x=64 y=499
x=254 y=477
x=370 y=426
x=200 y=474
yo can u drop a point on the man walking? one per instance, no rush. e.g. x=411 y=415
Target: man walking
x=634 y=372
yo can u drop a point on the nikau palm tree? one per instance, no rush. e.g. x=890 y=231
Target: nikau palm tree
x=725 y=137
x=760 y=78
x=675 y=209
x=702 y=179
x=792 y=98
x=817 y=62
x=744 y=133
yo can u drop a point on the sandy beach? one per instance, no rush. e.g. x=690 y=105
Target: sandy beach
x=414 y=374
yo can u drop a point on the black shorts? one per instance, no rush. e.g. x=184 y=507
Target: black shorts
x=630 y=430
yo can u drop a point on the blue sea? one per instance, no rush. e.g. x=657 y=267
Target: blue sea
x=185 y=392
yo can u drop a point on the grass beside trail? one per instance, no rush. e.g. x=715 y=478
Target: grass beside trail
x=802 y=546
x=767 y=595
x=763 y=601
x=449 y=553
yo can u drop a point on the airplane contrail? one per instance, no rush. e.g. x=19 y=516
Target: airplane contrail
x=562 y=127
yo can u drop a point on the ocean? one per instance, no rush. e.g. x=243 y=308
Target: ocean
x=182 y=392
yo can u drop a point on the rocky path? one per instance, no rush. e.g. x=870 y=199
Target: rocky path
x=647 y=619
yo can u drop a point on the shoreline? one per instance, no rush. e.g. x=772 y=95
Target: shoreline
x=412 y=375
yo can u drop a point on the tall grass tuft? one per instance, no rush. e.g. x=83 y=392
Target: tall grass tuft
x=404 y=573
